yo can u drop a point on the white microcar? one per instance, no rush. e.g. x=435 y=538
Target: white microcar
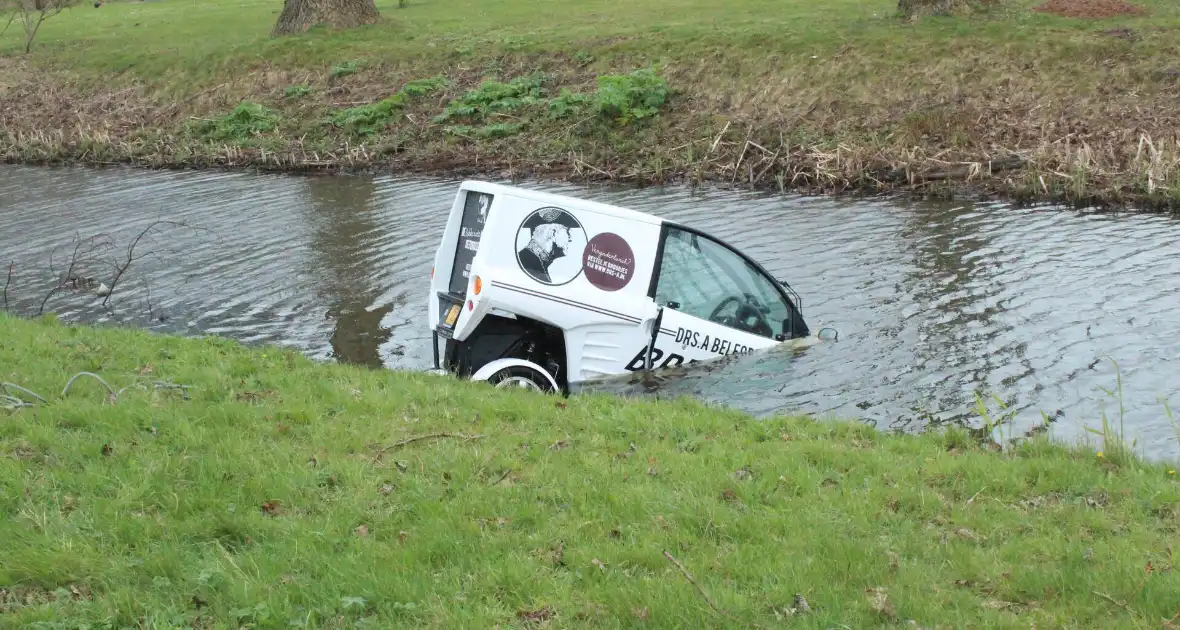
x=541 y=291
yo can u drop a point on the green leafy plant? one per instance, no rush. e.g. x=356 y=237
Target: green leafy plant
x=494 y=97
x=633 y=96
x=296 y=91
x=499 y=130
x=993 y=422
x=422 y=87
x=366 y=120
x=621 y=98
x=244 y=122
x=344 y=69
x=567 y=103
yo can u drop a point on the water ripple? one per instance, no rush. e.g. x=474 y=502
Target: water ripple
x=935 y=302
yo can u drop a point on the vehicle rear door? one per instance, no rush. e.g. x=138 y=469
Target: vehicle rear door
x=450 y=301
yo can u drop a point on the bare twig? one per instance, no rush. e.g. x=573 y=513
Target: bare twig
x=416 y=438
x=501 y=477
x=87 y=256
x=10 y=21
x=33 y=14
x=718 y=139
x=151 y=310
x=157 y=385
x=595 y=168
x=700 y=590
x=140 y=386
x=75 y=260
x=10 y=266
x=1116 y=602
x=131 y=257
x=773 y=161
x=974 y=496
x=4 y=388
x=742 y=156
x=15 y=402
x=55 y=289
x=91 y=374
x=12 y=402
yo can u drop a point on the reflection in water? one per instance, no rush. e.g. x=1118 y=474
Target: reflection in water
x=952 y=301
x=346 y=231
x=933 y=302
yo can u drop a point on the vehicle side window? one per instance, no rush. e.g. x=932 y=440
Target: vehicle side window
x=702 y=278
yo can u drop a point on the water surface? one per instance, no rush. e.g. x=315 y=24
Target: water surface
x=934 y=302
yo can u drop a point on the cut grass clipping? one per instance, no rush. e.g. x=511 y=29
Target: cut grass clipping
x=200 y=483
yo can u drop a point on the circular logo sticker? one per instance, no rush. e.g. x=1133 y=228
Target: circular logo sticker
x=549 y=245
x=608 y=261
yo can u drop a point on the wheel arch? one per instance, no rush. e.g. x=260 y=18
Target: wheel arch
x=490 y=368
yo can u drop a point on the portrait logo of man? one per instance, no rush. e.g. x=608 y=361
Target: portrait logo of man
x=549 y=246
x=484 y=200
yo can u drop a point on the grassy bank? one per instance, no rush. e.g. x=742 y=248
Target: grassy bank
x=273 y=492
x=833 y=96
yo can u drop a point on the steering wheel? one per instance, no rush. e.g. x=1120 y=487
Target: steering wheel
x=747 y=309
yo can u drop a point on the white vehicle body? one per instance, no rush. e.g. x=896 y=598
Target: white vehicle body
x=543 y=290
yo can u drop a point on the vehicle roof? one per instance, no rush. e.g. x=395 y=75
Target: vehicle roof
x=562 y=201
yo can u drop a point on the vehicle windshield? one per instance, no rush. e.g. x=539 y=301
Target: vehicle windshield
x=705 y=279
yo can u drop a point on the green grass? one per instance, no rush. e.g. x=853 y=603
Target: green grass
x=260 y=500
x=834 y=95
x=204 y=41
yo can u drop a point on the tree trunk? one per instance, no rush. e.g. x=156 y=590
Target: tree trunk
x=300 y=15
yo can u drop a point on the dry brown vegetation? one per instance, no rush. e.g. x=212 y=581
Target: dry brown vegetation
x=1090 y=9
x=913 y=9
x=1090 y=117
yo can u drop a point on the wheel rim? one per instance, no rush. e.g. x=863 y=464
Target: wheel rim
x=519 y=382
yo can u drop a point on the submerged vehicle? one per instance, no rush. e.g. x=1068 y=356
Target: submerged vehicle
x=541 y=291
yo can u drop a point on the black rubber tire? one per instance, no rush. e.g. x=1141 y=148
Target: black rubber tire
x=520 y=376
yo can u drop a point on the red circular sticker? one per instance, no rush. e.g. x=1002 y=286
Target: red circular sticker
x=608 y=261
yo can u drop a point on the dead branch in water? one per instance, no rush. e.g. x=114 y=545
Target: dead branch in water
x=120 y=269
x=69 y=279
x=87 y=256
x=8 y=282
